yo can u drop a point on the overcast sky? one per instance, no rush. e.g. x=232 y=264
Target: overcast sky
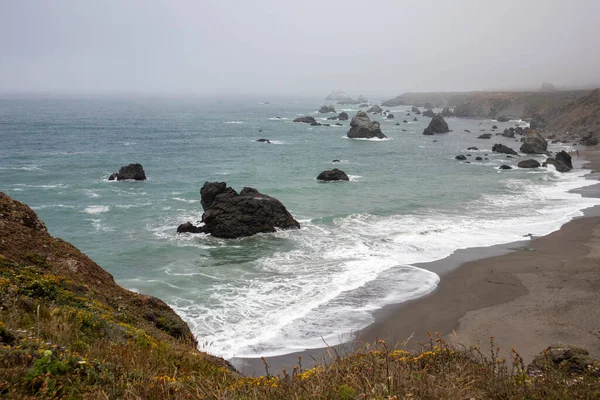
x=295 y=47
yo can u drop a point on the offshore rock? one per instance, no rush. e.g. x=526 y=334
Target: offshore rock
x=436 y=125
x=429 y=113
x=528 y=164
x=307 y=119
x=229 y=215
x=534 y=143
x=343 y=116
x=375 y=109
x=327 y=109
x=500 y=148
x=333 y=175
x=132 y=172
x=361 y=127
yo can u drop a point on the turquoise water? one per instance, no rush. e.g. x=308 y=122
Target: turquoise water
x=408 y=201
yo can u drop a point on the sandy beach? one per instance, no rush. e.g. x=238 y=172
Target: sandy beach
x=527 y=295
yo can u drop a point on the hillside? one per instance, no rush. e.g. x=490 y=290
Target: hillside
x=576 y=120
x=67 y=330
x=514 y=105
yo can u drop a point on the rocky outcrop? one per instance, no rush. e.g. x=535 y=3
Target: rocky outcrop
x=589 y=140
x=343 y=116
x=390 y=116
x=562 y=161
x=307 y=119
x=565 y=158
x=528 y=164
x=504 y=166
x=534 y=143
x=337 y=95
x=429 y=113
x=485 y=136
x=500 y=148
x=436 y=125
x=229 y=215
x=446 y=112
x=375 y=109
x=460 y=157
x=333 y=175
x=473 y=148
x=415 y=110
x=562 y=357
x=362 y=99
x=361 y=127
x=129 y=172
x=502 y=118
x=263 y=140
x=325 y=109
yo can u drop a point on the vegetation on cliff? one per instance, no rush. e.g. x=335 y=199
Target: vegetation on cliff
x=67 y=330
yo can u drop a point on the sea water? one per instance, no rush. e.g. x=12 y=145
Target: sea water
x=408 y=201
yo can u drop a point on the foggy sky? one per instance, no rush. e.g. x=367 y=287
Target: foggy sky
x=295 y=47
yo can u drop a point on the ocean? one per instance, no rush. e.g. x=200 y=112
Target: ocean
x=408 y=202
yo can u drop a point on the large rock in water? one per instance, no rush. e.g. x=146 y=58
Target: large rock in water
x=327 y=109
x=429 y=113
x=307 y=119
x=565 y=158
x=343 y=116
x=436 y=125
x=375 y=109
x=132 y=172
x=333 y=175
x=500 y=148
x=528 y=164
x=229 y=215
x=534 y=143
x=562 y=162
x=361 y=127
x=415 y=110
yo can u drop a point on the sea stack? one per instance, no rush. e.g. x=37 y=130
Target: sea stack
x=361 y=127
x=436 y=125
x=230 y=215
x=129 y=172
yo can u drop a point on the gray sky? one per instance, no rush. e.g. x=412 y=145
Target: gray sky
x=295 y=47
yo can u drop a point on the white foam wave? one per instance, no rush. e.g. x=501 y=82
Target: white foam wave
x=185 y=200
x=369 y=139
x=234 y=122
x=279 y=118
x=354 y=178
x=96 y=209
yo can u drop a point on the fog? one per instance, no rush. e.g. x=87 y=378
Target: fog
x=304 y=47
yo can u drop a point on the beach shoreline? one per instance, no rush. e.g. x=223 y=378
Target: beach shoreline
x=527 y=295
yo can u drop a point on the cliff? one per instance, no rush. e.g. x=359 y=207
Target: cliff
x=66 y=327
x=514 y=105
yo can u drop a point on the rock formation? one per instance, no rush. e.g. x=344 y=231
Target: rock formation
x=534 y=143
x=307 y=119
x=333 y=175
x=343 y=116
x=528 y=164
x=485 y=136
x=446 y=112
x=229 y=215
x=560 y=357
x=390 y=116
x=429 y=113
x=337 y=95
x=436 y=125
x=327 y=109
x=500 y=148
x=362 y=127
x=129 y=172
x=415 y=110
x=375 y=109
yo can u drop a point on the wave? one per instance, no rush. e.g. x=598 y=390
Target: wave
x=279 y=118
x=369 y=139
x=234 y=122
x=96 y=209
x=185 y=200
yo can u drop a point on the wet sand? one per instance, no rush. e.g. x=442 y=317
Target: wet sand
x=527 y=295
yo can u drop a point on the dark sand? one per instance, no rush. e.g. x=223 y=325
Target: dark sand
x=543 y=291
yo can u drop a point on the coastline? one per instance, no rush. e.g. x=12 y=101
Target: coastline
x=527 y=294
